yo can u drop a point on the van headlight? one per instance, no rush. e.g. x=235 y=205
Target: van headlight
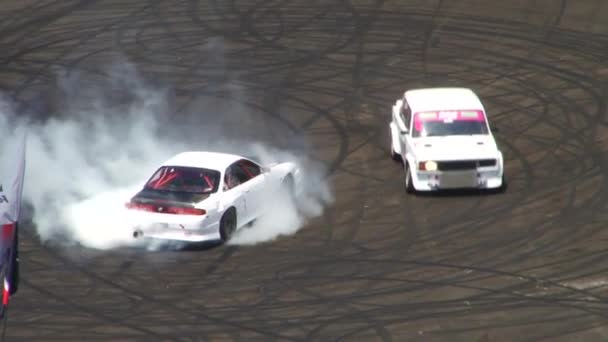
x=427 y=166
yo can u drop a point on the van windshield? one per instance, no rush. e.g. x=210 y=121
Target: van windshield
x=444 y=123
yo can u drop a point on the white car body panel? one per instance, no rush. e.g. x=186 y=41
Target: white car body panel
x=190 y=228
x=447 y=151
x=454 y=147
x=247 y=198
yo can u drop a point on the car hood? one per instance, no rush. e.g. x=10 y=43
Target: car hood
x=455 y=147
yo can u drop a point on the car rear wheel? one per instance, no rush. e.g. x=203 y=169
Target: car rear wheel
x=228 y=225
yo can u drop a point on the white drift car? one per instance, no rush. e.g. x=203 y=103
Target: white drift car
x=443 y=137
x=206 y=196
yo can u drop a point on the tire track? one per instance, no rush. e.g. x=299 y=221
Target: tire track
x=379 y=264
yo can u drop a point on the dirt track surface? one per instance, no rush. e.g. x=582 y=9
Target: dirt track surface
x=379 y=265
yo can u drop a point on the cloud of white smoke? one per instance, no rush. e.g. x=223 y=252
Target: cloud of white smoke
x=86 y=161
x=285 y=214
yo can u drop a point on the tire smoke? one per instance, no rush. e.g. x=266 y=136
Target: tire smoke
x=106 y=136
x=287 y=213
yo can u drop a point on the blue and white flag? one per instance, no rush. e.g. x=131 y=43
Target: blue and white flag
x=12 y=172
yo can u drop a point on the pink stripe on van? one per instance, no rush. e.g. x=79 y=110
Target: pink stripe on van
x=448 y=116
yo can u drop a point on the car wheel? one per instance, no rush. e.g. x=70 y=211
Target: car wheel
x=409 y=185
x=503 y=187
x=228 y=225
x=288 y=187
x=394 y=155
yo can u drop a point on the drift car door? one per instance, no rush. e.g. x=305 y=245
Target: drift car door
x=254 y=198
x=244 y=186
x=233 y=194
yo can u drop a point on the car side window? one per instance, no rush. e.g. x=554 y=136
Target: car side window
x=235 y=176
x=405 y=114
x=251 y=168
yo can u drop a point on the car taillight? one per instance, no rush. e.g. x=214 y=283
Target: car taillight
x=165 y=209
x=185 y=211
x=140 y=206
x=6 y=292
x=421 y=166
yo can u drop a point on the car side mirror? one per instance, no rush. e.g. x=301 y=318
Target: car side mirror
x=404 y=131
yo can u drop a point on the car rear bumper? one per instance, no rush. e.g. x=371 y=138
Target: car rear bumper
x=176 y=235
x=186 y=228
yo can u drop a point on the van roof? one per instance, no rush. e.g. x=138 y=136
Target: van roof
x=437 y=99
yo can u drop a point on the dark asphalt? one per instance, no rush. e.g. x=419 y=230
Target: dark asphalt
x=379 y=265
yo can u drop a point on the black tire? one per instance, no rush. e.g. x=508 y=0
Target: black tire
x=503 y=187
x=394 y=155
x=409 y=186
x=288 y=187
x=289 y=193
x=228 y=225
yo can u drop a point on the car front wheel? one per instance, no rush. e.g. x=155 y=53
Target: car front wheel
x=503 y=187
x=409 y=185
x=394 y=155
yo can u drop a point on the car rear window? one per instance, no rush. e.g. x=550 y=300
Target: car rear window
x=184 y=179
